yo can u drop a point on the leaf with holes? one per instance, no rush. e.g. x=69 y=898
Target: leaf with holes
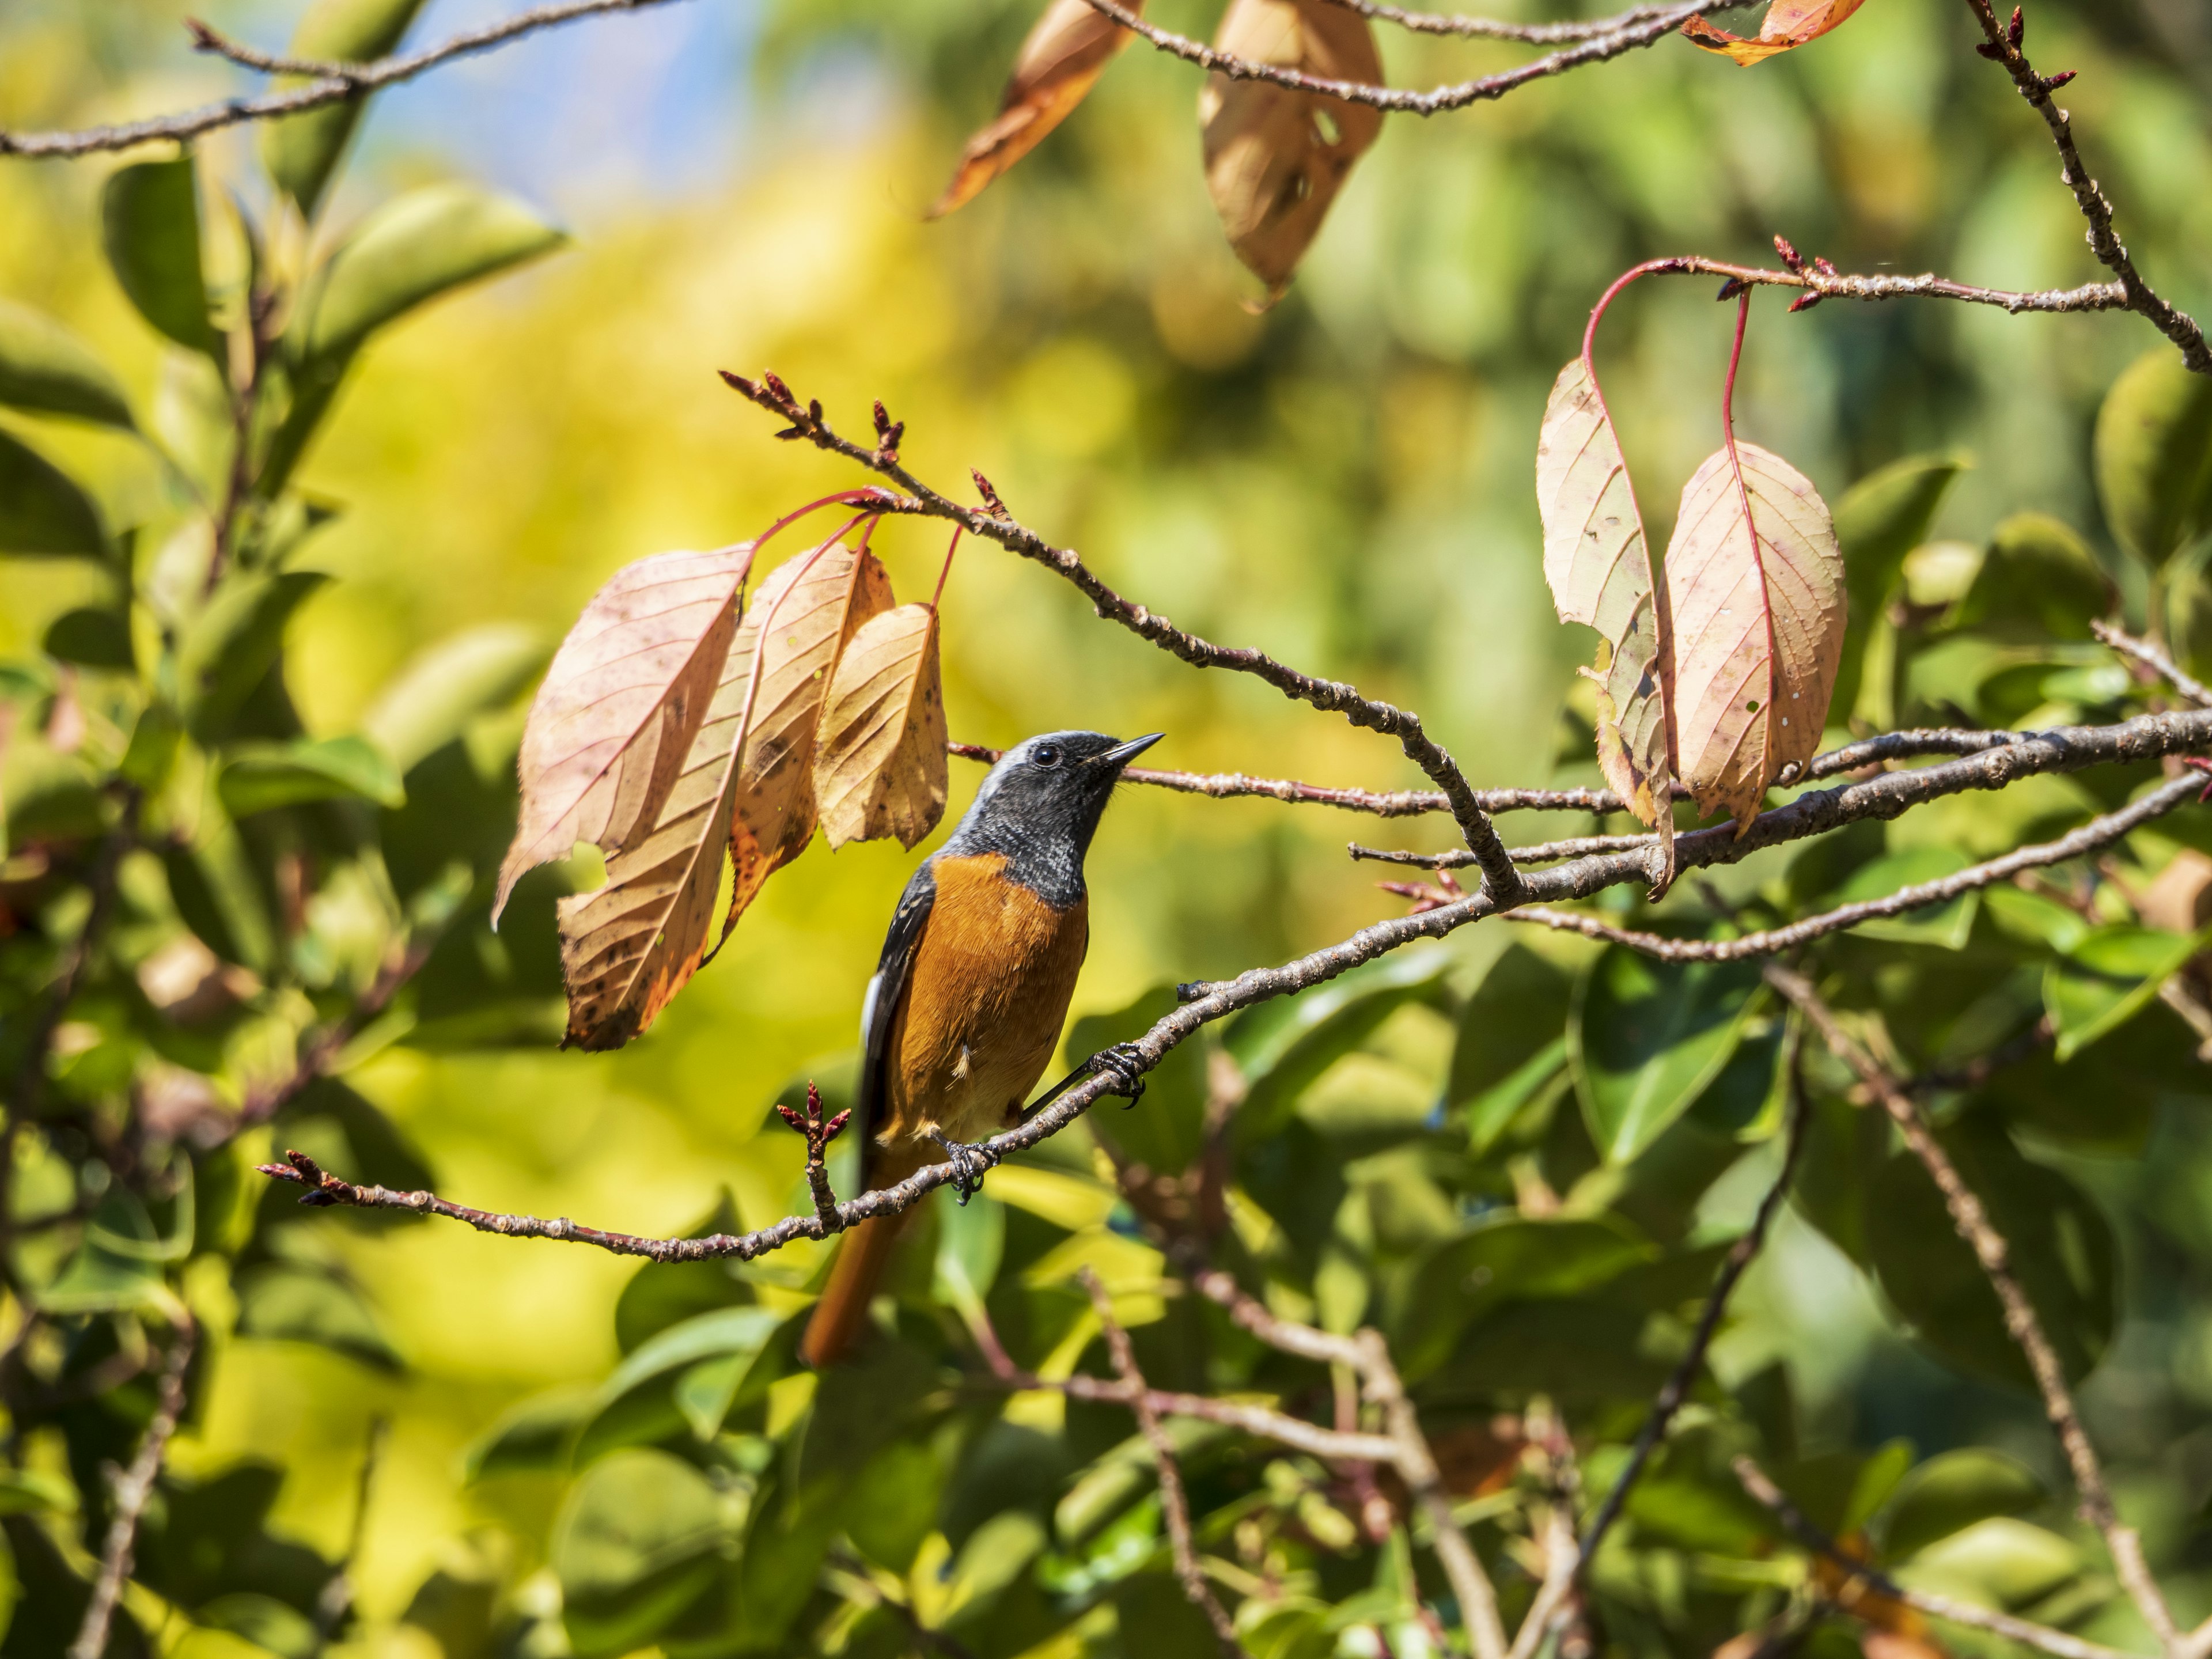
x=619 y=706
x=1062 y=56
x=1788 y=24
x=1275 y=157
x=880 y=770
x=1598 y=566
x=1756 y=599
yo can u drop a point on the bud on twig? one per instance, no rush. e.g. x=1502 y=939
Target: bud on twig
x=1790 y=256
x=1730 y=288
x=2052 y=83
x=1803 y=302
x=2017 y=34
x=997 y=507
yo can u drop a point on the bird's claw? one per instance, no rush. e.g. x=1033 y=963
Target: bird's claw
x=1126 y=1065
x=968 y=1163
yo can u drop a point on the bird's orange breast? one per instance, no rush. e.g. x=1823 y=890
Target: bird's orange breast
x=993 y=973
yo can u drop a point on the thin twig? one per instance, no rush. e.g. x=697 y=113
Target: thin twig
x=1756 y=1481
x=317 y=1054
x=2021 y=1321
x=2154 y=658
x=1685 y=1375
x=1528 y=34
x=1543 y=852
x=349 y=80
x=2097 y=833
x=133 y=1488
x=1175 y=1508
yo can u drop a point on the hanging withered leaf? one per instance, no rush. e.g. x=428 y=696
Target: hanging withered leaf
x=1788 y=24
x=1275 y=157
x=1062 y=56
x=628 y=947
x=620 y=705
x=1755 y=590
x=880 y=769
x=1598 y=565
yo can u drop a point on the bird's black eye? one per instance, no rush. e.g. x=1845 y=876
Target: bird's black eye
x=1045 y=754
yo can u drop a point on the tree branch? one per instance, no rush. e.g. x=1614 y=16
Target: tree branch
x=132 y=1491
x=335 y=83
x=2021 y=1321
x=1531 y=35
x=2155 y=659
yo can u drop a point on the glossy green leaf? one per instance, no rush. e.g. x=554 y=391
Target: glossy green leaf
x=289 y=1303
x=263 y=1620
x=2000 y=1562
x=1166 y=1130
x=44 y=366
x=634 y=1545
x=971 y=1240
x=90 y=637
x=1945 y=925
x=1511 y=1041
x=2153 y=448
x=639 y=1403
x=409 y=251
x=531 y=1438
x=260 y=777
x=2039 y=581
x=2061 y=1252
x=2108 y=978
x=302 y=152
x=150 y=219
x=42 y=509
x=431 y=700
x=118 y=1267
x=893 y=1507
x=228 y=649
x=665 y=1293
x=1511 y=1258
x=2106 y=1099
x=1284 y=1045
x=1645 y=1037
x=1951 y=1492
x=1880 y=519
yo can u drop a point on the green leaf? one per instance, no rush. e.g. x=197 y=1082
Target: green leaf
x=634 y=1546
x=1506 y=1258
x=971 y=1239
x=230 y=647
x=1945 y=925
x=1166 y=1131
x=264 y=1621
x=893 y=1506
x=90 y=637
x=432 y=699
x=2000 y=1562
x=289 y=1303
x=2154 y=446
x=665 y=1293
x=2060 y=1246
x=531 y=1438
x=42 y=510
x=302 y=152
x=1951 y=1492
x=1511 y=1040
x=46 y=368
x=1880 y=519
x=1125 y=1475
x=49 y=796
x=117 y=1267
x=150 y=217
x=260 y=777
x=153 y=749
x=409 y=251
x=1645 y=1037
x=639 y=1403
x=2109 y=978
x=2039 y=582
x=1284 y=1045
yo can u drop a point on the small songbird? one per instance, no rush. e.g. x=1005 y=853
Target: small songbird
x=969 y=997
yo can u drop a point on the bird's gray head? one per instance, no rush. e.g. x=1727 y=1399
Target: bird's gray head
x=1040 y=806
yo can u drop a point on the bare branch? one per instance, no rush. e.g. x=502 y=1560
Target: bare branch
x=133 y=1488
x=2104 y=241
x=2154 y=658
x=1332 y=696
x=342 y=83
x=2021 y=1321
x=1223 y=786
x=1864 y=1577
x=1528 y=34
x=1543 y=852
x=1173 y=1506
x=2097 y=833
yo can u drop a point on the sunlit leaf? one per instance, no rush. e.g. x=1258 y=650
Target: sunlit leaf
x=446 y=685
x=46 y=368
x=2000 y=1562
x=1275 y=158
x=1945 y=925
x=261 y=776
x=1645 y=1037
x=90 y=636
x=2109 y=978
x=302 y=151
x=229 y=648
x=2153 y=450
x=1788 y=24
x=1757 y=627
x=1951 y=1492
x=42 y=510
x=150 y=218
x=2039 y=582
x=880 y=768
x=1062 y=56
x=638 y=1402
x=1599 y=567
x=634 y=1545
x=1506 y=1258
x=1880 y=519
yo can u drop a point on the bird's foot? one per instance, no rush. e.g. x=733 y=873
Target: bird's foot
x=1126 y=1065
x=968 y=1163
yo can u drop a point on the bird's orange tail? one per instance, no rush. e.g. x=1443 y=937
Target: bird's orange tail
x=843 y=1309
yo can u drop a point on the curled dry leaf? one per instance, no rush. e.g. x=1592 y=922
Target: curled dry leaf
x=1276 y=158
x=630 y=945
x=1598 y=565
x=1788 y=23
x=1757 y=626
x=1064 y=54
x=620 y=704
x=880 y=769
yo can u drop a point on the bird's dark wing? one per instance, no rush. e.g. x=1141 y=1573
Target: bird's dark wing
x=879 y=1011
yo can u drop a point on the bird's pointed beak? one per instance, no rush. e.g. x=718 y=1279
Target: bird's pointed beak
x=1122 y=754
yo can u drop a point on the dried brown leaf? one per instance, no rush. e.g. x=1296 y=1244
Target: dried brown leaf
x=628 y=947
x=620 y=704
x=1757 y=626
x=1598 y=565
x=1063 y=55
x=880 y=768
x=1788 y=24
x=1274 y=157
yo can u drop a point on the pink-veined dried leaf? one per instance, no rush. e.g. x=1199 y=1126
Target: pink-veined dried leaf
x=620 y=704
x=1062 y=56
x=1275 y=158
x=880 y=768
x=1598 y=566
x=1788 y=24
x=630 y=945
x=1758 y=628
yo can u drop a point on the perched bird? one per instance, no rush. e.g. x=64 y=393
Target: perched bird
x=966 y=1006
